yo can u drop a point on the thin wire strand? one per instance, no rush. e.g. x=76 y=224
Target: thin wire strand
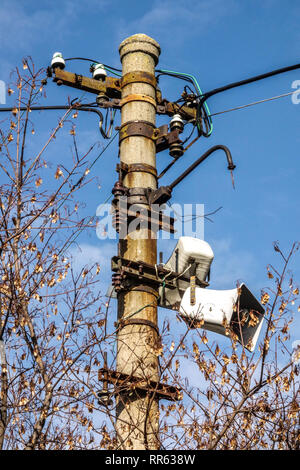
x=253 y=103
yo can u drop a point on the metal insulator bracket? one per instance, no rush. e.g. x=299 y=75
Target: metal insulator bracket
x=154 y=276
x=125 y=383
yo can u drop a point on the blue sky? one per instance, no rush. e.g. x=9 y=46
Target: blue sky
x=219 y=42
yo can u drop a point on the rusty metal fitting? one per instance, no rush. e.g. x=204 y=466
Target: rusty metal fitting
x=138 y=128
x=138 y=196
x=138 y=77
x=117 y=279
x=104 y=398
x=143 y=168
x=136 y=167
x=128 y=383
x=118 y=189
x=138 y=97
x=119 y=221
x=101 y=98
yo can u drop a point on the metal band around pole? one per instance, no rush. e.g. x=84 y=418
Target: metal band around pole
x=138 y=77
x=137 y=321
x=138 y=128
x=130 y=98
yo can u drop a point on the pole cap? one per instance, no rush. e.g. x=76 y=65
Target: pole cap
x=140 y=43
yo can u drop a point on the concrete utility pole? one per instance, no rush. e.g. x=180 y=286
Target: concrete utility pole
x=137 y=411
x=137 y=278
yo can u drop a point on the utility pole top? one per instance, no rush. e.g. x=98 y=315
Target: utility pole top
x=140 y=43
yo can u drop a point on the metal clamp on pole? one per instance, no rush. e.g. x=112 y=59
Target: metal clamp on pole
x=138 y=128
x=104 y=395
x=124 y=383
x=136 y=167
x=136 y=321
x=138 y=77
x=136 y=97
x=136 y=206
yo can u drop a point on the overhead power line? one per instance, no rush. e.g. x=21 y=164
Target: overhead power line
x=249 y=80
x=253 y=103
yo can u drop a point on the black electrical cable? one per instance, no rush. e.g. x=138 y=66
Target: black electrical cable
x=177 y=75
x=201 y=111
x=189 y=136
x=93 y=60
x=231 y=165
x=187 y=87
x=51 y=108
x=87 y=107
x=106 y=132
x=202 y=117
x=247 y=81
x=201 y=114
